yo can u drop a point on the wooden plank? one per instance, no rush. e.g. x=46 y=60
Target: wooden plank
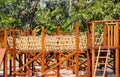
x=43 y=51
x=88 y=63
x=93 y=51
x=105 y=35
x=58 y=55
x=2 y=54
x=117 y=50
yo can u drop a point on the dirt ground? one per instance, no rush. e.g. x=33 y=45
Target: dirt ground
x=69 y=73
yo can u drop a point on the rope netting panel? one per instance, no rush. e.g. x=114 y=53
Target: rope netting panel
x=52 y=42
x=60 y=43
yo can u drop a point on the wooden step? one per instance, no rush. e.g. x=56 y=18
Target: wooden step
x=100 y=70
x=103 y=51
x=98 y=76
x=102 y=57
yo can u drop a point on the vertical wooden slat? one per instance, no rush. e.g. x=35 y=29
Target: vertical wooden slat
x=112 y=35
x=109 y=36
x=43 y=53
x=93 y=51
x=77 y=50
x=105 y=35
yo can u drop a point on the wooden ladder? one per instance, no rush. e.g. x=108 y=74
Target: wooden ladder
x=101 y=60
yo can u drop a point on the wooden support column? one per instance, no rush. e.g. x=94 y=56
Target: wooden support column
x=11 y=58
x=88 y=51
x=14 y=51
x=6 y=55
x=20 y=55
x=58 y=55
x=25 y=55
x=28 y=56
x=34 y=62
x=117 y=49
x=43 y=53
x=88 y=63
x=77 y=50
x=93 y=51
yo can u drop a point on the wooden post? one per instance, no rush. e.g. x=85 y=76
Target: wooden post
x=43 y=53
x=58 y=54
x=6 y=55
x=117 y=49
x=88 y=36
x=93 y=51
x=20 y=55
x=33 y=33
x=88 y=51
x=25 y=55
x=34 y=62
x=88 y=63
x=14 y=51
x=77 y=50
x=28 y=55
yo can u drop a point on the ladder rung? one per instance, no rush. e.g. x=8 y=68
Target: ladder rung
x=101 y=63
x=98 y=76
x=102 y=57
x=103 y=50
x=99 y=70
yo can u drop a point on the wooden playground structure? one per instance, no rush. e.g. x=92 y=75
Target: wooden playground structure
x=28 y=54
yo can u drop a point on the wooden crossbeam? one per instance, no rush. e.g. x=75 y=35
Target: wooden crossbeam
x=58 y=63
x=27 y=63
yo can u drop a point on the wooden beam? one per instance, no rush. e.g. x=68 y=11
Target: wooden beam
x=58 y=54
x=35 y=58
x=43 y=49
x=117 y=49
x=93 y=51
x=88 y=63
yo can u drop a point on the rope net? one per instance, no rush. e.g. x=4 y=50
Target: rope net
x=52 y=42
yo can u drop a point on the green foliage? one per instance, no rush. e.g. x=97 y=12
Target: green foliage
x=32 y=14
